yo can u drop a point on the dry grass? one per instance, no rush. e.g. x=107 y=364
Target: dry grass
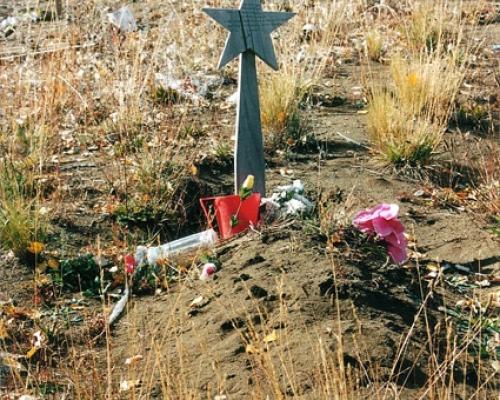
x=271 y=358
x=22 y=220
x=101 y=88
x=304 y=59
x=280 y=98
x=374 y=45
x=409 y=116
x=407 y=119
x=431 y=25
x=20 y=224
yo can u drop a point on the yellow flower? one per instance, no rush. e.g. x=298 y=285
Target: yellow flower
x=248 y=183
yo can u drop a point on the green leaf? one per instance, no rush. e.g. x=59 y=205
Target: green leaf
x=234 y=221
x=245 y=192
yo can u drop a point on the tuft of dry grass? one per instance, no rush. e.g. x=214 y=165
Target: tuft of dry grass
x=21 y=218
x=374 y=45
x=408 y=117
x=281 y=96
x=20 y=223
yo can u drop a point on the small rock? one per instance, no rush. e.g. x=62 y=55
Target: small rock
x=483 y=283
x=197 y=302
x=193 y=312
x=231 y=324
x=272 y=297
x=254 y=260
x=258 y=292
x=8 y=26
x=242 y=278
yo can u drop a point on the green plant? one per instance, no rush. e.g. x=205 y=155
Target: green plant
x=21 y=219
x=191 y=130
x=78 y=274
x=474 y=115
x=495 y=225
x=478 y=330
x=222 y=150
x=163 y=96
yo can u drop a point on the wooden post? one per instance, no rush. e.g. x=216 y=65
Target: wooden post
x=249 y=147
x=249 y=35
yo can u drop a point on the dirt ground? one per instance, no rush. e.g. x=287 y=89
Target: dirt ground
x=377 y=305
x=283 y=300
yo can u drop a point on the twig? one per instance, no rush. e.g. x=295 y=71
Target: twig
x=118 y=308
x=46 y=51
x=351 y=140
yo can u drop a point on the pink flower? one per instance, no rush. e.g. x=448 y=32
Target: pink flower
x=208 y=271
x=130 y=263
x=382 y=220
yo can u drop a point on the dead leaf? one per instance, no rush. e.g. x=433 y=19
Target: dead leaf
x=19 y=312
x=9 y=360
x=272 y=337
x=196 y=302
x=41 y=267
x=31 y=352
x=4 y=334
x=134 y=359
x=251 y=349
x=42 y=279
x=434 y=267
x=286 y=171
x=52 y=263
x=35 y=247
x=127 y=385
x=335 y=239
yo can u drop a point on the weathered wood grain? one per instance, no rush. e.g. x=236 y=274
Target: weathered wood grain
x=249 y=148
x=235 y=42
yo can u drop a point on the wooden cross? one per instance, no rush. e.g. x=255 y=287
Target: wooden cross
x=249 y=35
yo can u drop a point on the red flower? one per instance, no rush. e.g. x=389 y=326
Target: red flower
x=130 y=263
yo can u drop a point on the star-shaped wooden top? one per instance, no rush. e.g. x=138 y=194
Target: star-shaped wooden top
x=249 y=29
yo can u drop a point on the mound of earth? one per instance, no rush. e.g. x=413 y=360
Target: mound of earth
x=279 y=307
